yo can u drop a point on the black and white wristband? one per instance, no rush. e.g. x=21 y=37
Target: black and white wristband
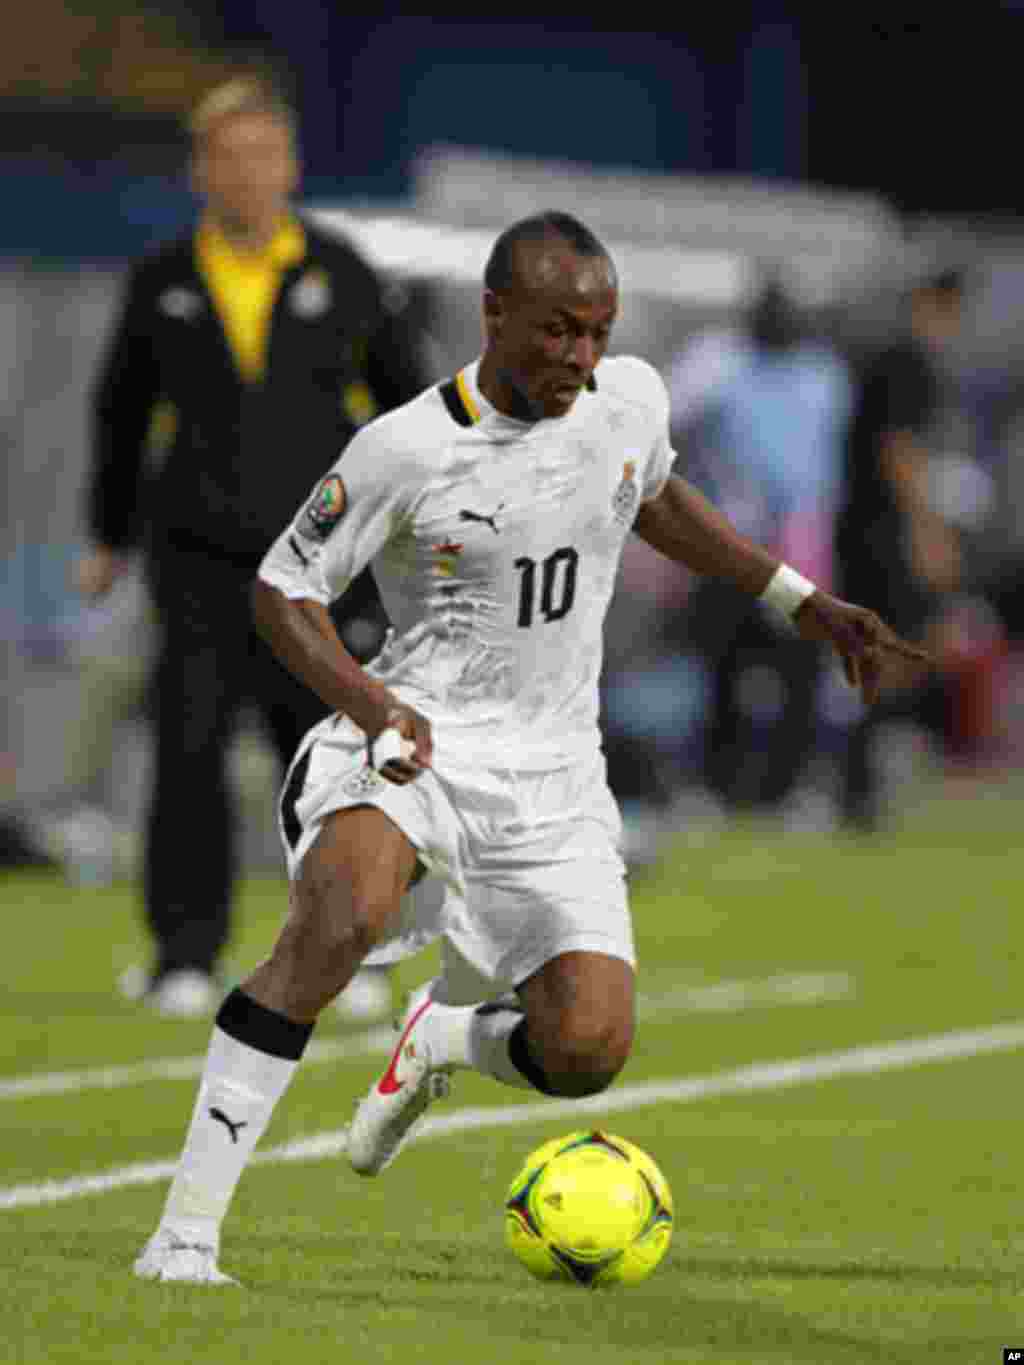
x=787 y=591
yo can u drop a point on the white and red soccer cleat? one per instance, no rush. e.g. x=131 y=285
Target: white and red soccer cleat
x=396 y=1102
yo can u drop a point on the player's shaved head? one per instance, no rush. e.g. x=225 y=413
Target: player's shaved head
x=550 y=299
x=564 y=243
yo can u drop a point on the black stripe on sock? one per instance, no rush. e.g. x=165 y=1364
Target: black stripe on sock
x=243 y=1019
x=519 y=1056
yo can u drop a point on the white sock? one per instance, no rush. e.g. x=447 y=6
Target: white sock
x=237 y=1095
x=475 y=1037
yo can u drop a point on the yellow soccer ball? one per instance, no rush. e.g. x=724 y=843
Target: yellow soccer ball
x=590 y=1209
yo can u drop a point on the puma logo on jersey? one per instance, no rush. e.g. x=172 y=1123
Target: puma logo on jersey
x=233 y=1128
x=491 y=521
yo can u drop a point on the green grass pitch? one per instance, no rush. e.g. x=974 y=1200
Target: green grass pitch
x=865 y=1218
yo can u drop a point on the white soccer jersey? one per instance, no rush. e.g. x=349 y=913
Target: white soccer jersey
x=495 y=544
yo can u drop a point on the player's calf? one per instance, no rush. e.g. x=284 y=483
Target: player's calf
x=318 y=952
x=348 y=888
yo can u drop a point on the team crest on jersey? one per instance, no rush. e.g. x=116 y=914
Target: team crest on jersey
x=365 y=782
x=626 y=497
x=447 y=552
x=325 y=509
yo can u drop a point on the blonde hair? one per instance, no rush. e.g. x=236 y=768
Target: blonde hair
x=243 y=95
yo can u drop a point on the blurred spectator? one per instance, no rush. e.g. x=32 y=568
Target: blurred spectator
x=898 y=550
x=758 y=415
x=652 y=695
x=20 y=844
x=266 y=344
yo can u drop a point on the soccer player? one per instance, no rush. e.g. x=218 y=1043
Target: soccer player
x=493 y=509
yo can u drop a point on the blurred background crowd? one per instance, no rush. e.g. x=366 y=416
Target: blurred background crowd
x=821 y=246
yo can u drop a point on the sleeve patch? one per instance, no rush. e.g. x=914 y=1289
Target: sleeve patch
x=324 y=510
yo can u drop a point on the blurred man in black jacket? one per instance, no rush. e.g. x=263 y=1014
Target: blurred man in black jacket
x=260 y=345
x=895 y=550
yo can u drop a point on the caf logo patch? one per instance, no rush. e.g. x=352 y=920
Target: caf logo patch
x=325 y=509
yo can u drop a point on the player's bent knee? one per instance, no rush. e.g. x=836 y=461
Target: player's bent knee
x=585 y=1061
x=577 y=1085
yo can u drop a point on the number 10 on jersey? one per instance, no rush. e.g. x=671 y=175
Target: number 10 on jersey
x=557 y=585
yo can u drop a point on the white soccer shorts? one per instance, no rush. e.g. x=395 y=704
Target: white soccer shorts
x=529 y=859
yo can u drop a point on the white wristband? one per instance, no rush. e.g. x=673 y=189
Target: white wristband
x=787 y=590
x=389 y=746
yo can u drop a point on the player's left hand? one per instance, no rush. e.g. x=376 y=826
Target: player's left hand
x=872 y=654
x=410 y=733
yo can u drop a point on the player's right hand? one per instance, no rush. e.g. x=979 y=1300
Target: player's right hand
x=415 y=728
x=873 y=655
x=96 y=572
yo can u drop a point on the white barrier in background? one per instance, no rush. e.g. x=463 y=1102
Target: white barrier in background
x=403 y=245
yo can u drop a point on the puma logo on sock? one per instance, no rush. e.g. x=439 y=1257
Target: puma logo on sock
x=232 y=1128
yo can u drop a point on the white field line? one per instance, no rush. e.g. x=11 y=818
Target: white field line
x=759 y=1077
x=370 y=1043
x=730 y=997
x=722 y=997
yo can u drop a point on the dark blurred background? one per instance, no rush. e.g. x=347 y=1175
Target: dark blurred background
x=914 y=110
x=849 y=153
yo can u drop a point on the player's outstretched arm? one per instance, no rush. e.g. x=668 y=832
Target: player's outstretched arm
x=302 y=635
x=682 y=524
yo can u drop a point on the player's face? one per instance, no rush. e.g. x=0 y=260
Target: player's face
x=246 y=167
x=549 y=332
